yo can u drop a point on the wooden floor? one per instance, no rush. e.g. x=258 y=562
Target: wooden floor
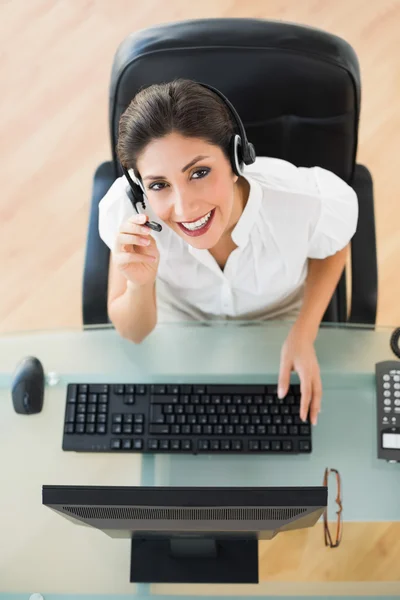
x=55 y=62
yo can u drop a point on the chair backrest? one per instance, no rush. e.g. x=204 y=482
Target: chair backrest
x=296 y=88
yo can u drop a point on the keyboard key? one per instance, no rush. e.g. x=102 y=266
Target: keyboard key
x=70 y=414
x=283 y=430
x=274 y=410
x=236 y=445
x=80 y=419
x=81 y=409
x=239 y=430
x=173 y=389
x=116 y=428
x=175 y=444
x=103 y=399
x=276 y=446
x=72 y=392
x=166 y=399
x=186 y=389
x=304 y=430
x=156 y=414
x=167 y=409
x=129 y=389
x=137 y=429
x=254 y=445
x=139 y=418
x=101 y=428
x=127 y=444
x=91 y=409
x=229 y=430
x=137 y=444
x=115 y=444
x=250 y=430
x=287 y=446
x=199 y=389
x=225 y=445
x=141 y=389
x=288 y=420
x=261 y=430
x=118 y=389
x=158 y=389
x=80 y=428
x=293 y=430
x=265 y=445
x=117 y=418
x=159 y=429
x=90 y=418
x=304 y=446
x=102 y=408
x=69 y=428
x=152 y=444
x=207 y=430
x=83 y=388
x=186 y=445
x=203 y=445
x=127 y=429
x=128 y=418
x=218 y=430
x=101 y=418
x=186 y=430
x=90 y=428
x=214 y=445
x=164 y=444
x=98 y=388
x=196 y=429
x=272 y=430
x=277 y=420
x=169 y=419
x=194 y=399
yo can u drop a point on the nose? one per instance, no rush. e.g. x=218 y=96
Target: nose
x=186 y=205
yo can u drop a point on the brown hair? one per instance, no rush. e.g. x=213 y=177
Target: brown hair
x=182 y=106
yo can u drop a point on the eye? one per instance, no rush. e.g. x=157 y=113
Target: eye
x=200 y=173
x=157 y=186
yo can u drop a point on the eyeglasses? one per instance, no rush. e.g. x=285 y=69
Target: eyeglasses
x=339 y=527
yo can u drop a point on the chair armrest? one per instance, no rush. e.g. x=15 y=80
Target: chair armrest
x=95 y=276
x=364 y=269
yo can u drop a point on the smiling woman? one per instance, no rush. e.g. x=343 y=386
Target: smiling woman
x=259 y=240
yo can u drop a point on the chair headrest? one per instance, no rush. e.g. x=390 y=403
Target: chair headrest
x=296 y=88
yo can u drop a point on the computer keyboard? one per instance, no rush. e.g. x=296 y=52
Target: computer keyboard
x=194 y=419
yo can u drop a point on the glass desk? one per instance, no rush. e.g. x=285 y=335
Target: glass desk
x=42 y=552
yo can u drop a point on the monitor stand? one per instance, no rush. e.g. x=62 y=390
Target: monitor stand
x=194 y=560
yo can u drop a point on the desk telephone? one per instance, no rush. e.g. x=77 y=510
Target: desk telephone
x=387 y=374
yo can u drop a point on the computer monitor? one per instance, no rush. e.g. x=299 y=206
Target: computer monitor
x=190 y=534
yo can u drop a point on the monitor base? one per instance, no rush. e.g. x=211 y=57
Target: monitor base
x=194 y=560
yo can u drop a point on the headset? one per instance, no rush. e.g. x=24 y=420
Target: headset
x=241 y=151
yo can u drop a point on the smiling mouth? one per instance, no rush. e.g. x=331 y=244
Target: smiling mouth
x=198 y=224
x=199 y=227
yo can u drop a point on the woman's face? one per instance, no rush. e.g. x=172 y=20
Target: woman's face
x=190 y=185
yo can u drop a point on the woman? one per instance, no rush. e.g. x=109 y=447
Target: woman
x=268 y=243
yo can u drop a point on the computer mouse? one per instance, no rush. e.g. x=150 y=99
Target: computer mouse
x=27 y=388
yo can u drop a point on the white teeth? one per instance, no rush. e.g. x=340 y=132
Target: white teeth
x=197 y=224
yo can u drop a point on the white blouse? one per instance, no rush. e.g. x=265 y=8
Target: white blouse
x=292 y=214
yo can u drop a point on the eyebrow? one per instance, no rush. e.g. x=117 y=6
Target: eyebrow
x=185 y=168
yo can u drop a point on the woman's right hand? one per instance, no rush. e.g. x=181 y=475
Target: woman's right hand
x=136 y=254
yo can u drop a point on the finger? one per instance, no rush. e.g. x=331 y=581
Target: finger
x=284 y=377
x=126 y=258
x=305 y=391
x=316 y=399
x=134 y=240
x=138 y=219
x=129 y=227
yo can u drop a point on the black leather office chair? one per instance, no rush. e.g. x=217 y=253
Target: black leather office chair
x=297 y=90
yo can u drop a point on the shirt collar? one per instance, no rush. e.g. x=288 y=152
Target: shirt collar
x=241 y=231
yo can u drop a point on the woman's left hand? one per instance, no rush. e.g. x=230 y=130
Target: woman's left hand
x=298 y=354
